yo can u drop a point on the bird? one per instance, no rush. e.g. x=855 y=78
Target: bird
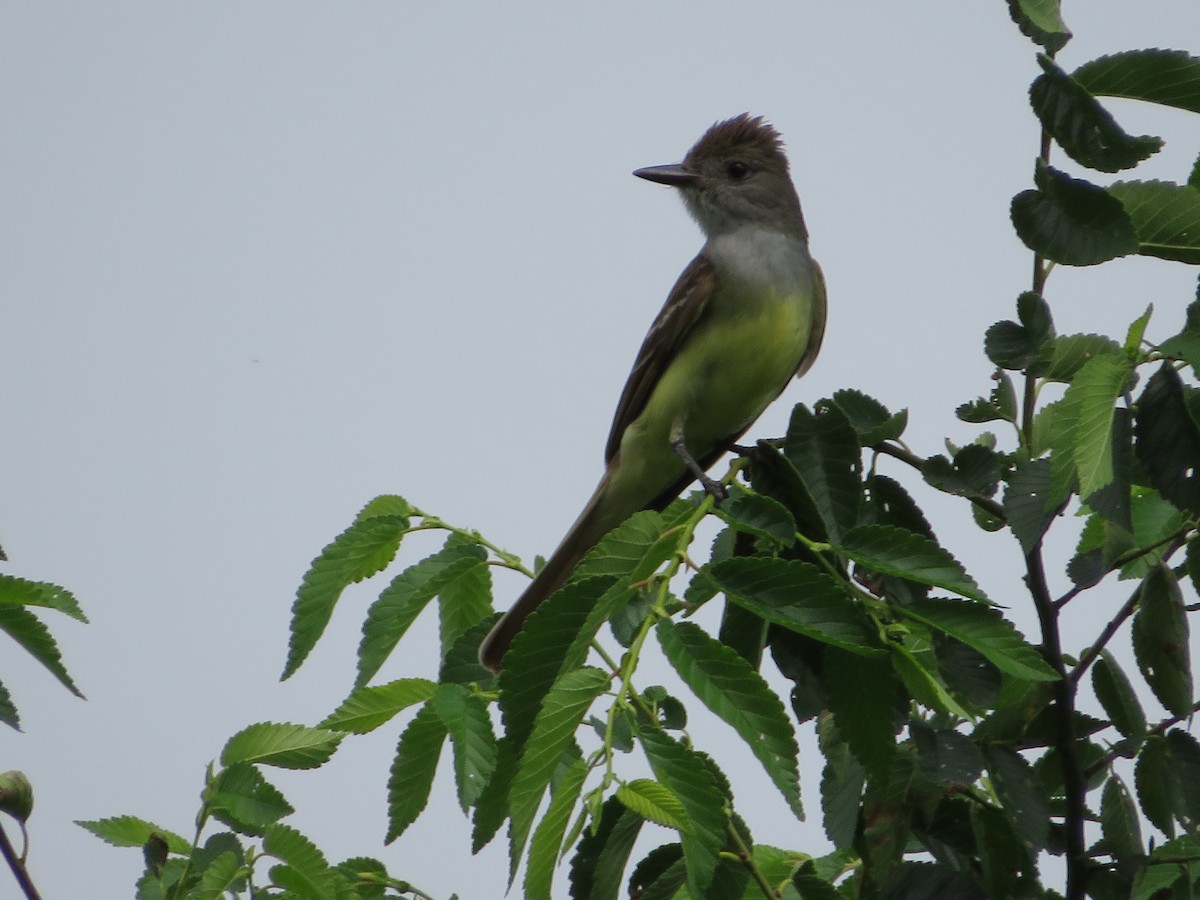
x=744 y=317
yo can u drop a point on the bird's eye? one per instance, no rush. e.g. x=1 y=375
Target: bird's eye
x=737 y=170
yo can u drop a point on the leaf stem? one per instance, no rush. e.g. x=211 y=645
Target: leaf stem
x=17 y=865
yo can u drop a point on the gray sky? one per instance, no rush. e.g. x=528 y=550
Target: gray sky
x=264 y=261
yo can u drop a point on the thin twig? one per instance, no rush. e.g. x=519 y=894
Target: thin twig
x=991 y=507
x=18 y=867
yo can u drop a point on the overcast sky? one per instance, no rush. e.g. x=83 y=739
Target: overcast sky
x=262 y=261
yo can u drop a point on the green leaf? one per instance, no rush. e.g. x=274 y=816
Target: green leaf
x=282 y=745
x=1185 y=345
x=8 y=711
x=928 y=881
x=20 y=592
x=130 y=831
x=220 y=877
x=1025 y=502
x=823 y=447
x=466 y=719
x=304 y=870
x=1155 y=780
x=413 y=769
x=465 y=600
x=1165 y=216
x=842 y=780
x=869 y=418
x=1184 y=753
x=895 y=551
x=1169 y=77
x=758 y=515
x=1082 y=127
x=659 y=875
x=1013 y=345
x=1119 y=821
x=863 y=698
x=737 y=694
x=1072 y=221
x=561 y=712
x=1041 y=21
x=369 y=707
x=974 y=472
x=985 y=630
x=1167 y=438
x=635 y=549
x=685 y=773
x=1160 y=641
x=1094 y=392
x=798 y=596
x=399 y=604
x=1021 y=793
x=946 y=757
x=1115 y=693
x=546 y=843
x=244 y=800
x=1060 y=358
x=655 y=802
x=1175 y=864
x=31 y=633
x=363 y=549
x=599 y=862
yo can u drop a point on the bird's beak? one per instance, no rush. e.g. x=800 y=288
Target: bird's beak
x=676 y=175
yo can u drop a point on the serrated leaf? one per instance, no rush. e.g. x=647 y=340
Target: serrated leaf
x=1169 y=77
x=823 y=447
x=1041 y=21
x=871 y=420
x=21 y=592
x=1167 y=438
x=773 y=475
x=974 y=472
x=280 y=744
x=863 y=698
x=360 y=551
x=1154 y=778
x=465 y=600
x=466 y=719
x=1185 y=345
x=655 y=802
x=895 y=551
x=600 y=860
x=399 y=604
x=1165 y=216
x=797 y=596
x=546 y=844
x=842 y=780
x=304 y=869
x=219 y=877
x=1081 y=126
x=244 y=800
x=1094 y=392
x=1160 y=641
x=946 y=757
x=412 y=770
x=1021 y=793
x=130 y=831
x=32 y=634
x=984 y=629
x=369 y=707
x=1072 y=221
x=1119 y=821
x=1115 y=693
x=8 y=711
x=929 y=881
x=659 y=875
x=758 y=515
x=738 y=695
x=634 y=549
x=1060 y=358
x=686 y=774
x=561 y=712
x=1173 y=864
x=1025 y=500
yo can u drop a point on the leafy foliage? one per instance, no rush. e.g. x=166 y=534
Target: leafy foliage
x=955 y=749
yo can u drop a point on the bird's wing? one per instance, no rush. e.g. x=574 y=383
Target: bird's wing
x=816 y=330
x=684 y=307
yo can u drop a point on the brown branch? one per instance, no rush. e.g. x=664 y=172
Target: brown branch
x=991 y=507
x=18 y=867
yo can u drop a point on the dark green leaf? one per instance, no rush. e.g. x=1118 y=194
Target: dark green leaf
x=974 y=472
x=1166 y=217
x=465 y=600
x=758 y=515
x=684 y=771
x=1020 y=792
x=895 y=551
x=1115 y=693
x=797 y=596
x=738 y=695
x=946 y=757
x=466 y=719
x=1167 y=438
x=773 y=475
x=1154 y=778
x=599 y=863
x=360 y=551
x=865 y=699
x=1008 y=869
x=927 y=881
x=1041 y=21
x=21 y=592
x=31 y=633
x=1186 y=344
x=986 y=630
x=1082 y=127
x=244 y=800
x=413 y=769
x=1061 y=357
x=891 y=504
x=634 y=549
x=870 y=419
x=546 y=843
x=823 y=447
x=660 y=875
x=1173 y=874
x=1169 y=77
x=1160 y=641
x=1025 y=502
x=842 y=782
x=303 y=870
x=1071 y=221
x=1119 y=820
x=130 y=831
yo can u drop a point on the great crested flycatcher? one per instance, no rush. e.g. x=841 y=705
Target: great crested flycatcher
x=746 y=315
